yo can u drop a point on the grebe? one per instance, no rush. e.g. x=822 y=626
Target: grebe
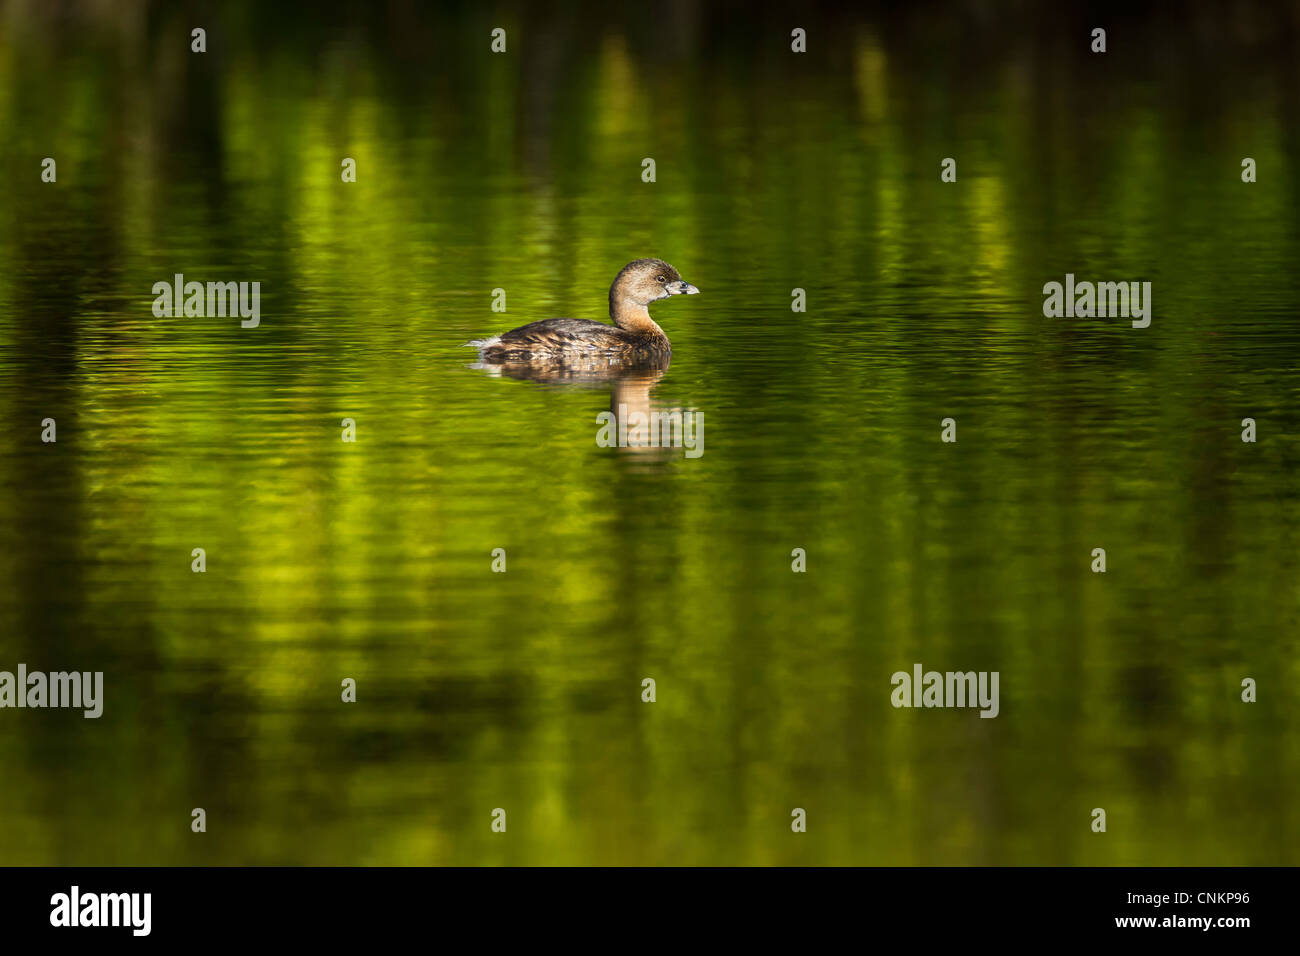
x=634 y=338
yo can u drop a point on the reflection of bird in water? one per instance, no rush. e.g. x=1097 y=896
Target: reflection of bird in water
x=633 y=339
x=629 y=399
x=591 y=372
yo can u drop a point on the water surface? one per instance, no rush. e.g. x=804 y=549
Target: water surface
x=522 y=690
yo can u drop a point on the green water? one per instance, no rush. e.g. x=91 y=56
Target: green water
x=372 y=560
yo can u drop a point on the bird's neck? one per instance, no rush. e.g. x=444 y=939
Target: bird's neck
x=635 y=318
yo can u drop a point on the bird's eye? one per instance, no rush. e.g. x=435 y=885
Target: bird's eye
x=660 y=278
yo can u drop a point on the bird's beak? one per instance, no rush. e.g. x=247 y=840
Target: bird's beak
x=682 y=287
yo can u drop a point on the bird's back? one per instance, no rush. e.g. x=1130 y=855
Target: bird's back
x=554 y=338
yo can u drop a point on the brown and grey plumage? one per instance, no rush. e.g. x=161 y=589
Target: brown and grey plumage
x=634 y=338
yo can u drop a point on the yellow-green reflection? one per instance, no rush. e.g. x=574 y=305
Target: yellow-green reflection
x=522 y=690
